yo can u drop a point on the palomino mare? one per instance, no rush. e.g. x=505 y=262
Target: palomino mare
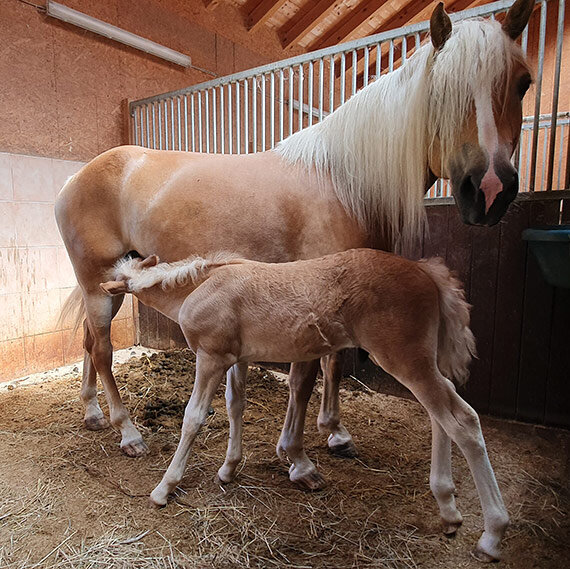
x=410 y=316
x=356 y=179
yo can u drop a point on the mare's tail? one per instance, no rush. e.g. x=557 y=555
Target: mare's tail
x=456 y=343
x=73 y=308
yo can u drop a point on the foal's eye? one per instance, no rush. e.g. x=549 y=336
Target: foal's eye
x=524 y=83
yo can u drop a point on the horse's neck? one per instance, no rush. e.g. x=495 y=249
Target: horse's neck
x=167 y=302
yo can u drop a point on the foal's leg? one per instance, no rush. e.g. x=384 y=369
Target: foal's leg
x=461 y=423
x=340 y=442
x=301 y=382
x=235 y=404
x=99 y=310
x=209 y=373
x=441 y=480
x=94 y=419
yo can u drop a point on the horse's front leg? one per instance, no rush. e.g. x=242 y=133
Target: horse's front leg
x=235 y=405
x=301 y=382
x=340 y=442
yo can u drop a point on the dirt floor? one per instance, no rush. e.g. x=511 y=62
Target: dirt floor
x=69 y=498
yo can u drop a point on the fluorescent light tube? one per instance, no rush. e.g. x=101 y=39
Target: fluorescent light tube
x=56 y=10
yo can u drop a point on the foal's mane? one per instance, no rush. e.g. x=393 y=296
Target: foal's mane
x=375 y=147
x=191 y=270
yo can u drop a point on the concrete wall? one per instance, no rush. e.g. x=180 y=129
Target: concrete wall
x=62 y=93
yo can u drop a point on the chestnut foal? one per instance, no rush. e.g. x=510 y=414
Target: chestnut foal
x=411 y=317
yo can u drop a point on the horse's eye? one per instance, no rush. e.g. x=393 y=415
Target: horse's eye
x=523 y=85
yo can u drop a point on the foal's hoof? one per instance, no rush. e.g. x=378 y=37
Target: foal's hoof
x=344 y=450
x=156 y=501
x=482 y=556
x=312 y=480
x=134 y=448
x=450 y=528
x=225 y=475
x=96 y=423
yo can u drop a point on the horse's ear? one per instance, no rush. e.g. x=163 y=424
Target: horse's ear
x=439 y=27
x=150 y=261
x=114 y=287
x=517 y=18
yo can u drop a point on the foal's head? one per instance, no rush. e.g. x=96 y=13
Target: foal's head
x=477 y=81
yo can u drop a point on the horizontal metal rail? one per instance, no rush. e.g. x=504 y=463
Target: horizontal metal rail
x=251 y=111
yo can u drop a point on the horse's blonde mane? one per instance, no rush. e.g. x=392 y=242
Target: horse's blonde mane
x=192 y=270
x=375 y=147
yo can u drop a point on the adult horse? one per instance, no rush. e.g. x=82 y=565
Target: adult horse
x=356 y=179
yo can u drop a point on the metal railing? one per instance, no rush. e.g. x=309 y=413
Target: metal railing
x=253 y=110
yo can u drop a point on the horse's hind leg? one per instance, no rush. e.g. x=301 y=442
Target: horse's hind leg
x=99 y=310
x=94 y=418
x=301 y=381
x=461 y=423
x=235 y=404
x=340 y=442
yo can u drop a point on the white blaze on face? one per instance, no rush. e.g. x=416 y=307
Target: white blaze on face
x=491 y=185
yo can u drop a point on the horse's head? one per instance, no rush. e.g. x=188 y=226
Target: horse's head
x=478 y=79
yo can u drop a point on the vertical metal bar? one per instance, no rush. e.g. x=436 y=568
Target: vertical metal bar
x=559 y=39
x=160 y=126
x=166 y=130
x=207 y=121
x=173 y=128
x=542 y=39
x=310 y=95
x=214 y=120
x=186 y=122
x=366 y=63
x=528 y=153
x=404 y=49
x=230 y=121
x=254 y=112
x=153 y=113
x=331 y=84
x=238 y=120
x=378 y=60
x=300 y=96
x=560 y=156
x=272 y=109
x=342 y=77
x=263 y=124
x=354 y=70
x=281 y=102
x=543 y=165
x=418 y=40
x=291 y=80
x=200 y=122
x=147 y=122
x=524 y=41
x=136 y=125
x=193 y=121
x=178 y=104
x=222 y=122
x=391 y=57
x=321 y=87
x=246 y=116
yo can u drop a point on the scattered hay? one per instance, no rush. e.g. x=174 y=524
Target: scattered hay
x=69 y=498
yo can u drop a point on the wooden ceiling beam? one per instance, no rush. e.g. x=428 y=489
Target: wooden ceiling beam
x=308 y=18
x=403 y=16
x=349 y=25
x=257 y=13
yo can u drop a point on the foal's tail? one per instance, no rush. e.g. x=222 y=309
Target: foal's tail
x=456 y=343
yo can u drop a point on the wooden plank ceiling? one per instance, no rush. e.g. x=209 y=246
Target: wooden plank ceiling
x=308 y=25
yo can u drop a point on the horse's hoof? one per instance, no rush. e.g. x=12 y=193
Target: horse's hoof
x=96 y=423
x=344 y=450
x=157 y=502
x=225 y=476
x=450 y=528
x=134 y=448
x=482 y=556
x=312 y=481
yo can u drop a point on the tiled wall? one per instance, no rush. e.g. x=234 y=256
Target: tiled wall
x=35 y=273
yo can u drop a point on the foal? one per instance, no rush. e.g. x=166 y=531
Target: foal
x=410 y=316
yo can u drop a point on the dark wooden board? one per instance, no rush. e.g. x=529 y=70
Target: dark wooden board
x=508 y=313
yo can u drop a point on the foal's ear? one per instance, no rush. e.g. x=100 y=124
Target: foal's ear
x=150 y=261
x=517 y=18
x=439 y=26
x=114 y=287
